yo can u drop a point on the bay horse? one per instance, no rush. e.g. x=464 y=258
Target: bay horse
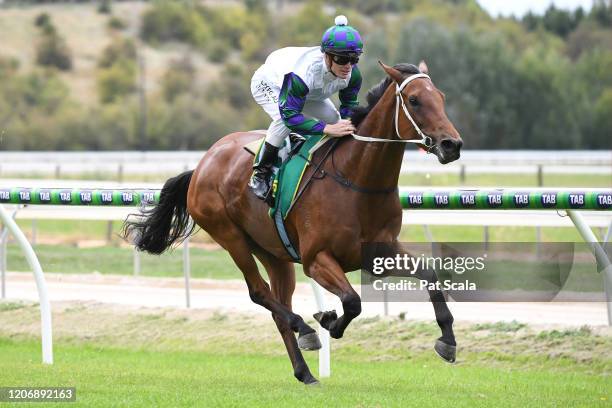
x=328 y=223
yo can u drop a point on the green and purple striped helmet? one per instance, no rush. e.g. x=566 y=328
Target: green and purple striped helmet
x=342 y=39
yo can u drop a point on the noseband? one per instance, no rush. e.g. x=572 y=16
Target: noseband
x=425 y=140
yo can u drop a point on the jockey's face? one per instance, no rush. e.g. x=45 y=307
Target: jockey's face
x=341 y=71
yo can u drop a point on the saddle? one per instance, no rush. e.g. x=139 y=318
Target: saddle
x=294 y=158
x=286 y=178
x=291 y=146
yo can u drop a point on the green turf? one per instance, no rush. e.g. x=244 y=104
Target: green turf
x=215 y=264
x=205 y=263
x=107 y=377
x=72 y=231
x=122 y=356
x=448 y=179
x=507 y=180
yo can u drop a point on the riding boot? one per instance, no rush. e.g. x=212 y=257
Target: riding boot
x=260 y=181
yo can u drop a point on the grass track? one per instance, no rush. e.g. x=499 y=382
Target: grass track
x=406 y=179
x=106 y=377
x=117 y=356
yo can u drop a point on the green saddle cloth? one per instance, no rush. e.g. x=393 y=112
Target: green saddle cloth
x=286 y=181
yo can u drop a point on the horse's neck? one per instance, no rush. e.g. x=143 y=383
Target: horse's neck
x=375 y=165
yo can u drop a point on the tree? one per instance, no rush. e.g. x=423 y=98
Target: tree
x=51 y=50
x=178 y=78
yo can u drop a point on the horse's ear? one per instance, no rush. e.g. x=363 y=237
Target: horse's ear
x=423 y=67
x=392 y=72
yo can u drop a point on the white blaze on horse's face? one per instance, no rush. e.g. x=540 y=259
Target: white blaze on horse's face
x=420 y=114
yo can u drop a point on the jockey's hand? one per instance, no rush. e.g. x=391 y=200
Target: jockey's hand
x=341 y=128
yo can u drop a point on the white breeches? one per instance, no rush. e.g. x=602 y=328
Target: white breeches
x=266 y=95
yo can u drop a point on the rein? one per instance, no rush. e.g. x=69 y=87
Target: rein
x=425 y=140
x=320 y=173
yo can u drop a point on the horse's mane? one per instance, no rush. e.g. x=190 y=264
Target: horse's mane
x=377 y=91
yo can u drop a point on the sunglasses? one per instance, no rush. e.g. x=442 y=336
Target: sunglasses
x=343 y=60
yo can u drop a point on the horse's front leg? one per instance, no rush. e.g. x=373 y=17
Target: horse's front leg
x=445 y=346
x=324 y=269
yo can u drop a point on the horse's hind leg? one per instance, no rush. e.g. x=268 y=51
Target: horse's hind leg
x=282 y=282
x=236 y=243
x=324 y=269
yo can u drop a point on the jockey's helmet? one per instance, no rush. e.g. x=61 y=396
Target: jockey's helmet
x=342 y=39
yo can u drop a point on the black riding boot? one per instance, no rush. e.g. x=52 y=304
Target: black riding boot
x=260 y=181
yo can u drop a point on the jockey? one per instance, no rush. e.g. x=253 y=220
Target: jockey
x=297 y=81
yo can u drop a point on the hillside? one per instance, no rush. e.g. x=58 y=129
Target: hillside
x=87 y=34
x=71 y=76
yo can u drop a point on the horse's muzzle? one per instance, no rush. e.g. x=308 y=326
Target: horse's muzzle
x=449 y=150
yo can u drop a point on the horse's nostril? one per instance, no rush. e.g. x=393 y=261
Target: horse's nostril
x=450 y=145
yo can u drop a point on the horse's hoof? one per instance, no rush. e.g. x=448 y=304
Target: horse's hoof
x=325 y=319
x=446 y=351
x=306 y=377
x=309 y=341
x=310 y=380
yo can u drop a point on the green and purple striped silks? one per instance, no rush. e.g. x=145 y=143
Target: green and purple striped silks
x=291 y=102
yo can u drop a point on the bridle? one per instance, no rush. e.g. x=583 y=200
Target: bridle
x=337 y=176
x=425 y=140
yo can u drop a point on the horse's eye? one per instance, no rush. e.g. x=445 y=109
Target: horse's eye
x=413 y=100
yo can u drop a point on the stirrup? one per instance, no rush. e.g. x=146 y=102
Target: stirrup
x=260 y=184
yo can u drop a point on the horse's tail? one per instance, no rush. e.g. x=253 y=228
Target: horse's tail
x=168 y=222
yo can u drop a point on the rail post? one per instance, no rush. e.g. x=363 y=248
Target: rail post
x=45 y=306
x=324 y=353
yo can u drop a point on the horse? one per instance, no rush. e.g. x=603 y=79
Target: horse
x=351 y=198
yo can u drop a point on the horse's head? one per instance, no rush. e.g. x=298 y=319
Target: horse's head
x=420 y=114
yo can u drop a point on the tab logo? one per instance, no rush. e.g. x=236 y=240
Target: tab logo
x=65 y=197
x=44 y=196
x=604 y=200
x=148 y=197
x=468 y=199
x=5 y=196
x=576 y=200
x=521 y=200
x=494 y=200
x=441 y=200
x=106 y=197
x=86 y=197
x=127 y=197
x=25 y=196
x=415 y=199
x=549 y=200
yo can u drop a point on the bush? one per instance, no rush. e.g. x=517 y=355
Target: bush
x=170 y=21
x=232 y=87
x=42 y=20
x=53 y=51
x=8 y=66
x=218 y=51
x=178 y=79
x=117 y=81
x=105 y=7
x=116 y=23
x=116 y=51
